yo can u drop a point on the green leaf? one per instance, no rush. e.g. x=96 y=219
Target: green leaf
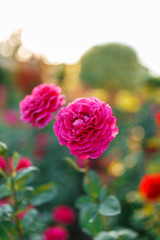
x=110 y=207
x=90 y=222
x=103 y=193
x=92 y=184
x=30 y=219
x=6 y=212
x=4 y=192
x=3 y=149
x=16 y=158
x=43 y=194
x=85 y=202
x=25 y=173
x=3 y=173
x=127 y=234
x=72 y=163
x=112 y=235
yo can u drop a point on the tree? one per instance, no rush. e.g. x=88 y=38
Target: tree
x=112 y=66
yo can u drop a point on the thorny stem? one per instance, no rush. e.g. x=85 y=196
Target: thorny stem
x=19 y=229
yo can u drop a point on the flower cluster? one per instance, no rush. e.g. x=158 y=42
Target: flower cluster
x=86 y=126
x=149 y=187
x=37 y=108
x=64 y=215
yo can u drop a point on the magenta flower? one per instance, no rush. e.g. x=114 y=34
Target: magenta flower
x=86 y=126
x=3 y=164
x=55 y=233
x=37 y=109
x=63 y=214
x=24 y=162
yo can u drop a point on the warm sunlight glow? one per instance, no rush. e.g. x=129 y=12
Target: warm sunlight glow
x=64 y=30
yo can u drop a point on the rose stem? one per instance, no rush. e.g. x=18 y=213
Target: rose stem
x=19 y=229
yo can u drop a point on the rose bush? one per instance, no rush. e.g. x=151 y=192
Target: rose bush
x=37 y=108
x=86 y=126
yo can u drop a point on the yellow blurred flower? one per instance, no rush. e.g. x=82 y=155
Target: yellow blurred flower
x=126 y=102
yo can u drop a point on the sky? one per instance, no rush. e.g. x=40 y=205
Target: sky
x=63 y=30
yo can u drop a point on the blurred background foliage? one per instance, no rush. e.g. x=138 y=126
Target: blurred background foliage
x=114 y=74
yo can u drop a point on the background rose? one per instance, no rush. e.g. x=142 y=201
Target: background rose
x=55 y=233
x=24 y=162
x=3 y=164
x=37 y=108
x=63 y=214
x=157 y=118
x=86 y=126
x=149 y=186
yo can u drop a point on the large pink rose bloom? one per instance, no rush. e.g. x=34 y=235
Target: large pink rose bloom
x=37 y=109
x=55 y=233
x=86 y=126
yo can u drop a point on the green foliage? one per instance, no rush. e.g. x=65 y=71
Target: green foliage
x=71 y=162
x=85 y=203
x=43 y=194
x=113 y=67
x=4 y=192
x=96 y=205
x=30 y=219
x=20 y=199
x=3 y=148
x=16 y=158
x=90 y=222
x=110 y=206
x=125 y=234
x=92 y=184
x=6 y=212
x=25 y=176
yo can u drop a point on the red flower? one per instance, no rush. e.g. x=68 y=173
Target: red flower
x=24 y=162
x=3 y=164
x=63 y=214
x=149 y=186
x=157 y=118
x=37 y=108
x=55 y=233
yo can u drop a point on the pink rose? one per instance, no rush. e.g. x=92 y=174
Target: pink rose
x=55 y=233
x=24 y=162
x=86 y=126
x=11 y=117
x=3 y=164
x=63 y=214
x=37 y=109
